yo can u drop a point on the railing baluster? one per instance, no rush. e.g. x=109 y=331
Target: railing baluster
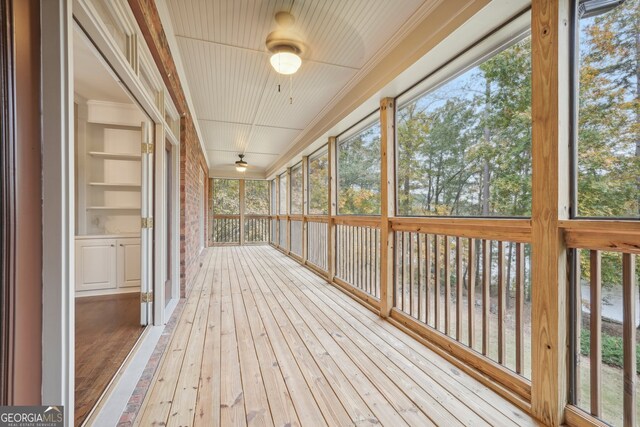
x=418 y=263
x=427 y=277
x=595 y=323
x=447 y=285
x=486 y=295
x=501 y=303
x=629 y=337
x=459 y=284
x=411 y=273
x=519 y=308
x=436 y=277
x=471 y=292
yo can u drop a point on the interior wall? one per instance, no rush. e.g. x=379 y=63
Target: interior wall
x=27 y=370
x=192 y=157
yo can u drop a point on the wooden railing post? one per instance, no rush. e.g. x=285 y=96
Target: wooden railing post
x=333 y=208
x=387 y=202
x=277 y=211
x=242 y=205
x=288 y=201
x=305 y=205
x=550 y=203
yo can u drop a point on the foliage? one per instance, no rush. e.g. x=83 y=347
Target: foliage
x=465 y=147
x=282 y=209
x=612 y=349
x=319 y=184
x=359 y=173
x=296 y=190
x=609 y=113
x=226 y=196
x=256 y=197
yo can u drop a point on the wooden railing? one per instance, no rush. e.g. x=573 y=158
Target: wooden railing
x=225 y=229
x=273 y=239
x=296 y=237
x=256 y=228
x=465 y=284
x=282 y=232
x=318 y=242
x=617 y=243
x=358 y=253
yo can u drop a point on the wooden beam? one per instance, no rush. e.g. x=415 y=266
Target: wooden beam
x=387 y=202
x=550 y=203
x=242 y=207
x=305 y=205
x=288 y=202
x=276 y=239
x=333 y=208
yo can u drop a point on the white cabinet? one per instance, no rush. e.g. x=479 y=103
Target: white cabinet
x=128 y=263
x=108 y=264
x=95 y=264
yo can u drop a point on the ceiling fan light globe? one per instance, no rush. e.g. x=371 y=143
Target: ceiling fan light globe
x=285 y=62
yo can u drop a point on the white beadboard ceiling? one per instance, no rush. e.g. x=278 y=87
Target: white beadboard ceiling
x=221 y=44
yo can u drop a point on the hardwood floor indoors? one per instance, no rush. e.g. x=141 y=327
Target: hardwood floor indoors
x=264 y=341
x=107 y=328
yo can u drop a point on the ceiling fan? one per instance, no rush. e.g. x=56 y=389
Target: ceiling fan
x=241 y=165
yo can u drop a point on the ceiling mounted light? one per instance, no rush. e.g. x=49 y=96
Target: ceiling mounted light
x=285 y=44
x=285 y=61
x=241 y=165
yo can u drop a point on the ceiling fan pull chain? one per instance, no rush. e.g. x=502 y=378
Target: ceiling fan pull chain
x=290 y=89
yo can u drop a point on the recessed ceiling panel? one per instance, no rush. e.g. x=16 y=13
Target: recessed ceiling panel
x=226 y=83
x=271 y=140
x=225 y=136
x=313 y=86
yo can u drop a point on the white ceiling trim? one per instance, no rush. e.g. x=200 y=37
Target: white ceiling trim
x=165 y=20
x=262 y=52
x=248 y=124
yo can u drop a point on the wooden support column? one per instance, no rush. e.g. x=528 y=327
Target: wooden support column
x=387 y=202
x=333 y=207
x=277 y=211
x=550 y=203
x=242 y=206
x=305 y=205
x=288 y=202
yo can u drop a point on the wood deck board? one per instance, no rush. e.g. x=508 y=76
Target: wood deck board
x=264 y=341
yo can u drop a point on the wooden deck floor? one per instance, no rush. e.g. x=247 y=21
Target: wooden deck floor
x=264 y=341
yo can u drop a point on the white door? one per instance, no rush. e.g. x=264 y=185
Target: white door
x=146 y=234
x=128 y=263
x=95 y=264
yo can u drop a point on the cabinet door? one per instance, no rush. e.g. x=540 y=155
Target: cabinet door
x=128 y=263
x=95 y=264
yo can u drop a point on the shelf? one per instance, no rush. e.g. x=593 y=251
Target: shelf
x=114 y=156
x=112 y=208
x=114 y=185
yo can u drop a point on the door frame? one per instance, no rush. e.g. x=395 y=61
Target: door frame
x=162 y=311
x=58 y=378
x=7 y=202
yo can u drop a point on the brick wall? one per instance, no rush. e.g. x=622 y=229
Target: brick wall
x=191 y=156
x=192 y=164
